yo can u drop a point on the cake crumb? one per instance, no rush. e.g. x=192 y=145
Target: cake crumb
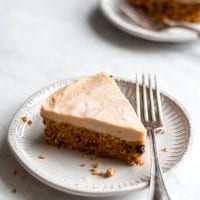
x=94 y=172
x=164 y=149
x=101 y=174
x=29 y=122
x=24 y=119
x=110 y=172
x=82 y=165
x=14 y=172
x=96 y=165
x=41 y=157
x=14 y=190
x=93 y=169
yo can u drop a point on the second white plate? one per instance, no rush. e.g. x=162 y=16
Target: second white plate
x=122 y=22
x=61 y=168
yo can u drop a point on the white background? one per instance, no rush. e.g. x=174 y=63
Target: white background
x=49 y=40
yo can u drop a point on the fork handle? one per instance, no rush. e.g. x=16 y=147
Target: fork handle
x=158 y=190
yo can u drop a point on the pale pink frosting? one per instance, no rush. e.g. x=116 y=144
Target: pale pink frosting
x=95 y=103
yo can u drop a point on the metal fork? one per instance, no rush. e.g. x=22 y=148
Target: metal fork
x=148 y=108
x=139 y=17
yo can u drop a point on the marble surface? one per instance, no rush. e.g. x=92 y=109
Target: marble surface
x=48 y=40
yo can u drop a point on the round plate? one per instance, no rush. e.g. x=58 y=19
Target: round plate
x=61 y=168
x=113 y=14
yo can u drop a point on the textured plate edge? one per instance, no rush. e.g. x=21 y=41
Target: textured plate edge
x=189 y=121
x=77 y=192
x=90 y=193
x=136 y=33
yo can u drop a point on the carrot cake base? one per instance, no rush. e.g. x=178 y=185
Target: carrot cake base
x=98 y=144
x=170 y=10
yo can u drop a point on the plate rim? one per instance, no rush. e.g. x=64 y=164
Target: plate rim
x=102 y=5
x=94 y=193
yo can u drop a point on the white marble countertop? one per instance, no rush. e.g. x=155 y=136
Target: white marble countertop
x=48 y=40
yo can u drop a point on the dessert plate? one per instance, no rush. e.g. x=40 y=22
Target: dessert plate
x=63 y=169
x=124 y=23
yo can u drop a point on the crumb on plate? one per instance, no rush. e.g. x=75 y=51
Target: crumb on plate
x=164 y=149
x=82 y=165
x=93 y=169
x=41 y=157
x=96 y=165
x=24 y=119
x=110 y=172
x=14 y=172
x=29 y=122
x=101 y=174
x=14 y=190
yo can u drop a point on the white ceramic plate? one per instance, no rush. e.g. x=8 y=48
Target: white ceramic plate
x=121 y=21
x=61 y=168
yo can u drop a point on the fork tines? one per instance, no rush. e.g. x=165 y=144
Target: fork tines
x=137 y=15
x=148 y=102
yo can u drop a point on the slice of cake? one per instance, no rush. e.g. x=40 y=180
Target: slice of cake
x=92 y=115
x=178 y=10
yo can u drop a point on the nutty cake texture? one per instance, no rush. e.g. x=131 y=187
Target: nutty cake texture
x=101 y=145
x=170 y=9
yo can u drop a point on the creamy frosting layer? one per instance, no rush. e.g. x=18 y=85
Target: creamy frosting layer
x=95 y=103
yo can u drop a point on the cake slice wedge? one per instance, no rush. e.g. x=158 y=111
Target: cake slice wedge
x=92 y=115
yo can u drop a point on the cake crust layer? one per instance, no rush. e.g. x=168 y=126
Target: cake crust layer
x=99 y=144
